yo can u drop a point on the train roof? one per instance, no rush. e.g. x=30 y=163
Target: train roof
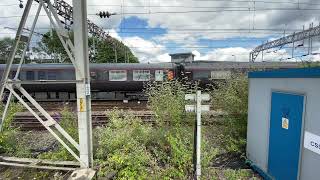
x=95 y=66
x=202 y=65
x=196 y=65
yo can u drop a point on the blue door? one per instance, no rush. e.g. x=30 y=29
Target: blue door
x=284 y=138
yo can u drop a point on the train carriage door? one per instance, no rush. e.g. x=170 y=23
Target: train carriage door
x=285 y=131
x=180 y=71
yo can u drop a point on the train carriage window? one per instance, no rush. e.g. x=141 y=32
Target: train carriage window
x=220 y=74
x=93 y=75
x=141 y=75
x=41 y=75
x=158 y=74
x=12 y=74
x=30 y=75
x=117 y=75
x=52 y=75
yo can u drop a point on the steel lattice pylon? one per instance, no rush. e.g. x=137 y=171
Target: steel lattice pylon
x=78 y=54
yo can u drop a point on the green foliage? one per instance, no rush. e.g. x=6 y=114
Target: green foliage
x=6 y=45
x=231 y=97
x=8 y=143
x=108 y=52
x=136 y=150
x=166 y=100
x=228 y=174
x=69 y=124
x=309 y=64
x=122 y=147
x=237 y=174
x=105 y=52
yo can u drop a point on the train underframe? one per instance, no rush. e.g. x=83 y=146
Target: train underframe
x=96 y=96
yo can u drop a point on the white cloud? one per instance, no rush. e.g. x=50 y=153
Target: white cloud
x=163 y=58
x=241 y=55
x=184 y=29
x=146 y=51
x=113 y=33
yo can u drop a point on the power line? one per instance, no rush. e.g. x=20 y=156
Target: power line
x=168 y=6
x=261 y=1
x=185 y=29
x=196 y=11
x=16 y=16
x=184 y=6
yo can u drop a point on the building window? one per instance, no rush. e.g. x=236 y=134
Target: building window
x=41 y=75
x=141 y=75
x=30 y=75
x=117 y=75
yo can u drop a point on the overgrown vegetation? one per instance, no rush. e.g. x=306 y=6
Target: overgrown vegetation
x=8 y=143
x=231 y=97
x=69 y=123
x=128 y=148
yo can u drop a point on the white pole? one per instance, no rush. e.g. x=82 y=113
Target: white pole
x=198 y=149
x=83 y=88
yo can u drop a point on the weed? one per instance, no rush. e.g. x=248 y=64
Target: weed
x=231 y=97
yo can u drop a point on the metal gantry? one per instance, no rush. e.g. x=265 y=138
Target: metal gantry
x=78 y=54
x=298 y=36
x=65 y=11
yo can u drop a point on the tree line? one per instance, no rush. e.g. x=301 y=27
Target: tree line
x=100 y=51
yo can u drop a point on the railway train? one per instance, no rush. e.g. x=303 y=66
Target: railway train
x=125 y=81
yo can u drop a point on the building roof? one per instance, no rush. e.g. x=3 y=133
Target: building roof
x=287 y=73
x=178 y=54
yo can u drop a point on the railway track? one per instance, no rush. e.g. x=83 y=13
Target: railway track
x=26 y=121
x=100 y=113
x=96 y=105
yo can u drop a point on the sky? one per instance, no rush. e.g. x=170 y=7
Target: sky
x=213 y=30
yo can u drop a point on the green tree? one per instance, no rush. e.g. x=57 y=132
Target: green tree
x=5 y=49
x=100 y=51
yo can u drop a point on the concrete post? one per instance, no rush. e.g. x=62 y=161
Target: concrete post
x=83 y=88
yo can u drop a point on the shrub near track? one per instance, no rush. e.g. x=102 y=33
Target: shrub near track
x=8 y=142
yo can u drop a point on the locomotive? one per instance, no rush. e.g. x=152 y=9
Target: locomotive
x=125 y=81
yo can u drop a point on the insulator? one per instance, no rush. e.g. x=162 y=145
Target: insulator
x=101 y=14
x=20 y=5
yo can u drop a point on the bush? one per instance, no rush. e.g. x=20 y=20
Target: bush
x=166 y=100
x=8 y=144
x=136 y=150
x=231 y=97
x=121 y=147
x=69 y=123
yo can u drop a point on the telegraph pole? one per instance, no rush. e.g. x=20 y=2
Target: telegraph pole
x=83 y=87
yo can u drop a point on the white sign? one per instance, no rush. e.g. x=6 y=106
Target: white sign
x=88 y=90
x=312 y=142
x=192 y=97
x=192 y=108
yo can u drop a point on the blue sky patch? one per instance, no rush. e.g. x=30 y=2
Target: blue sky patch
x=134 y=26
